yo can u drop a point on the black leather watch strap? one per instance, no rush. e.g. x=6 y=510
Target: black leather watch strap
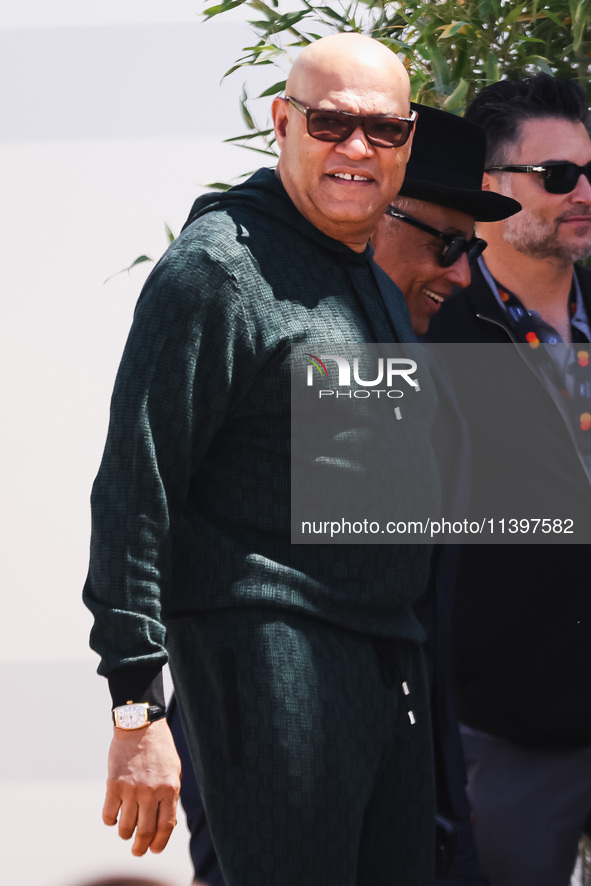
x=155 y=712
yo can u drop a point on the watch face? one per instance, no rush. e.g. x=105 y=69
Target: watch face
x=131 y=716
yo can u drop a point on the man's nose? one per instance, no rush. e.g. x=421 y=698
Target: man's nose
x=356 y=146
x=582 y=191
x=459 y=273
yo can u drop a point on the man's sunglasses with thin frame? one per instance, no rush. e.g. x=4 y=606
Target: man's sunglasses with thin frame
x=558 y=178
x=454 y=246
x=380 y=130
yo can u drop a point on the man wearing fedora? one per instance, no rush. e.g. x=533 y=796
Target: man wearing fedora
x=521 y=632
x=425 y=241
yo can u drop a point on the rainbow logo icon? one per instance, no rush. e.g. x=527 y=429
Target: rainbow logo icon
x=317 y=362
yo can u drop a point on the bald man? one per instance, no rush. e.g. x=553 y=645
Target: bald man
x=298 y=668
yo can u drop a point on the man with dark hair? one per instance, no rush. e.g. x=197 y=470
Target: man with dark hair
x=298 y=669
x=523 y=612
x=502 y=108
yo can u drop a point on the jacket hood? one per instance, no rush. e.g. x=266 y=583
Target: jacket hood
x=264 y=193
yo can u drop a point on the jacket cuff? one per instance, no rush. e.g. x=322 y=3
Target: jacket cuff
x=137 y=683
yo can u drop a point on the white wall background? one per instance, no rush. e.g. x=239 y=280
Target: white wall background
x=111 y=121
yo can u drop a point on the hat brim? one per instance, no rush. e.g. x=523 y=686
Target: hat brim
x=482 y=205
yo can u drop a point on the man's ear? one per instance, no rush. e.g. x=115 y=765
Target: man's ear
x=412 y=135
x=486 y=182
x=279 y=114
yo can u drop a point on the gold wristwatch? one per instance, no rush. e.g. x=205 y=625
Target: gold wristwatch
x=136 y=715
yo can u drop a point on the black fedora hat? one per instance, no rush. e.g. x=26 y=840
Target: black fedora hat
x=446 y=165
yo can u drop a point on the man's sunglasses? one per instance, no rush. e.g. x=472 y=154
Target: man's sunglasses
x=454 y=246
x=380 y=130
x=558 y=178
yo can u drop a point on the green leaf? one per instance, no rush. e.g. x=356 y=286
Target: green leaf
x=261 y=47
x=285 y=22
x=491 y=68
x=556 y=19
x=245 y=112
x=263 y=26
x=463 y=65
x=513 y=16
x=222 y=7
x=488 y=8
x=580 y=14
x=169 y=235
x=453 y=29
x=333 y=14
x=218 y=186
x=259 y=6
x=267 y=151
x=303 y=39
x=274 y=90
x=542 y=63
x=260 y=133
x=457 y=100
x=138 y=261
x=444 y=43
x=441 y=71
x=399 y=46
x=235 y=67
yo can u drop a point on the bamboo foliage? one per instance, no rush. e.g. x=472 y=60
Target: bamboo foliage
x=451 y=49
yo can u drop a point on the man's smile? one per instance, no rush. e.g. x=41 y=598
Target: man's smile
x=438 y=299
x=352 y=176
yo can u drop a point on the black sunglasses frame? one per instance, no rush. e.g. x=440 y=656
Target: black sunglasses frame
x=352 y=121
x=568 y=174
x=454 y=245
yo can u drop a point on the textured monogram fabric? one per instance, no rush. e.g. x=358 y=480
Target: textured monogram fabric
x=191 y=506
x=310 y=768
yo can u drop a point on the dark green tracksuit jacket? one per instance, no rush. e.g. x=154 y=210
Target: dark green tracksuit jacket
x=191 y=506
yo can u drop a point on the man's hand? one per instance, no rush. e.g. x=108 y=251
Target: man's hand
x=143 y=786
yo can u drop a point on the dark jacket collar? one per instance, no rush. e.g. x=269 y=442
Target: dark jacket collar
x=264 y=192
x=482 y=300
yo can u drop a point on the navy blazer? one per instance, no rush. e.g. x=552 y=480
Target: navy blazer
x=522 y=611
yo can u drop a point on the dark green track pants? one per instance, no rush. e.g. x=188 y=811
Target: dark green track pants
x=311 y=770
